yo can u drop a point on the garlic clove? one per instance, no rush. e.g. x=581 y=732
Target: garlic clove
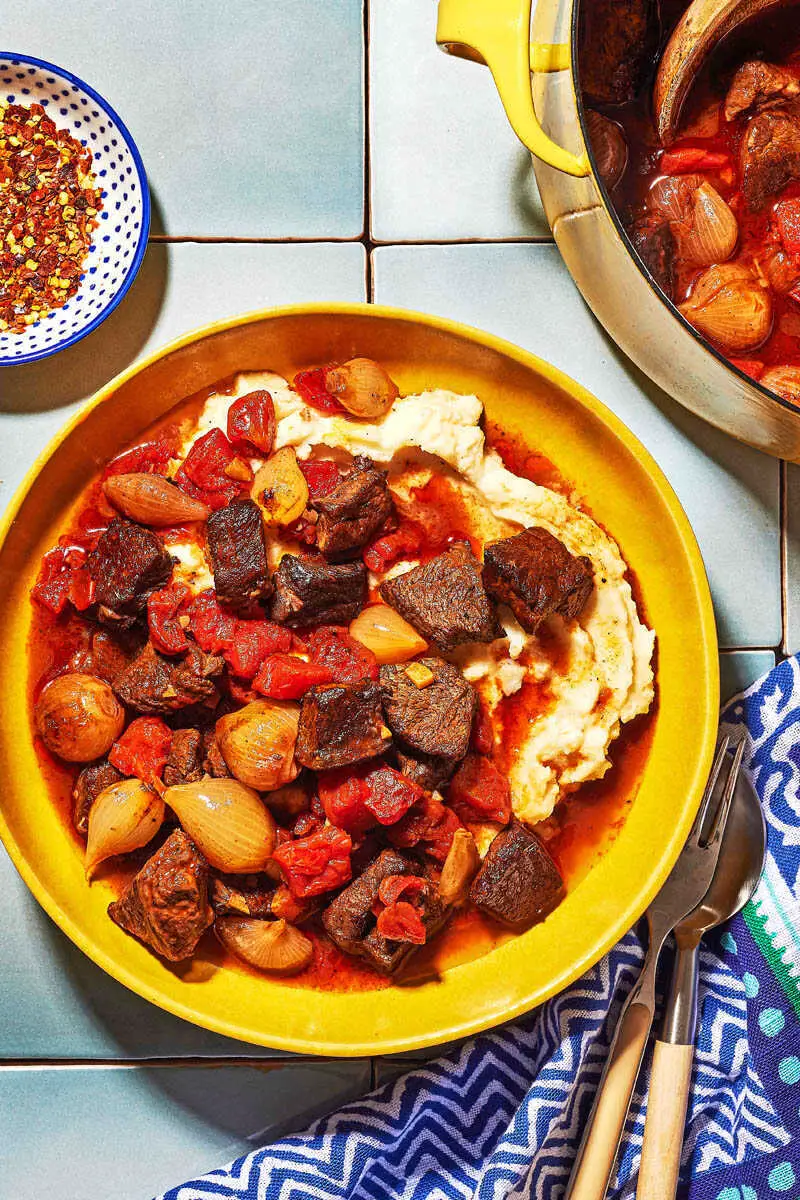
x=383 y=631
x=714 y=230
x=273 y=946
x=227 y=821
x=78 y=717
x=280 y=489
x=153 y=500
x=123 y=817
x=460 y=867
x=729 y=306
x=257 y=743
x=363 y=387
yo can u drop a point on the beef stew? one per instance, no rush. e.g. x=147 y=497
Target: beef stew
x=332 y=778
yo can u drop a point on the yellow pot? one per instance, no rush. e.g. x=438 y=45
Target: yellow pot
x=627 y=494
x=533 y=65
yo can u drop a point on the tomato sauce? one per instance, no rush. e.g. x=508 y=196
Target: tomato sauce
x=580 y=831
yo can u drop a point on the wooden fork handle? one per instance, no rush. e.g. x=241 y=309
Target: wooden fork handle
x=593 y=1169
x=666 y=1118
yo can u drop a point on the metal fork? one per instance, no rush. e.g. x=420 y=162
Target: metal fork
x=685 y=887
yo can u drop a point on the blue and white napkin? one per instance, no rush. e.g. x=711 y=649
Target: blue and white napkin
x=501 y=1116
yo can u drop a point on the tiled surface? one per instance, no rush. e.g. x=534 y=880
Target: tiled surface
x=131 y=1133
x=445 y=162
x=181 y=285
x=251 y=121
x=56 y=1004
x=249 y=117
x=739 y=668
x=792 y=546
x=730 y=492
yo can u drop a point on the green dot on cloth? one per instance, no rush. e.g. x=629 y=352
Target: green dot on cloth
x=749 y=1193
x=771 y=1021
x=731 y=1193
x=729 y=942
x=782 y=1177
x=789 y=1069
x=751 y=985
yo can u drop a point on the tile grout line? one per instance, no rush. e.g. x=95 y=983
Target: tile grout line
x=367 y=241
x=365 y=238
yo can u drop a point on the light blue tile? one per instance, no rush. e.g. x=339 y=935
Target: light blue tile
x=730 y=492
x=445 y=162
x=249 y=117
x=131 y=1133
x=792 y=558
x=180 y=286
x=739 y=668
x=55 y=1003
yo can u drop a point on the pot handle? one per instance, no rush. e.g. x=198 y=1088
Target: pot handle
x=497 y=34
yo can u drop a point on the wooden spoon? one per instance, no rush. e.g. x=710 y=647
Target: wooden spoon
x=701 y=28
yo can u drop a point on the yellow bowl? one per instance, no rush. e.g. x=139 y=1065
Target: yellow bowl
x=626 y=493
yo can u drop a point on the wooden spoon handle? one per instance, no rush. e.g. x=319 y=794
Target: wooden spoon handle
x=666 y=1118
x=595 y=1160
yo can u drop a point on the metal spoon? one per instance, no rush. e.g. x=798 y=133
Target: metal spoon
x=701 y=28
x=741 y=861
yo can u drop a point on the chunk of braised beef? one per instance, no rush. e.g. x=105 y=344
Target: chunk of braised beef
x=349 y=917
x=244 y=896
x=112 y=652
x=166 y=904
x=340 y=724
x=769 y=156
x=620 y=37
x=87 y=787
x=445 y=600
x=653 y=240
x=213 y=762
x=756 y=86
x=236 y=543
x=535 y=575
x=126 y=565
x=353 y=511
x=518 y=883
x=312 y=591
x=434 y=720
x=430 y=771
x=185 y=761
x=153 y=683
x=350 y=921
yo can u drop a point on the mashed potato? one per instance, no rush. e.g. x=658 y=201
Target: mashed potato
x=601 y=676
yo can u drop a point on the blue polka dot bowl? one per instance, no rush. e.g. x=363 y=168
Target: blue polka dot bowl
x=119 y=241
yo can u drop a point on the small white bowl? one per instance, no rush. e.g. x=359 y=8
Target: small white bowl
x=120 y=239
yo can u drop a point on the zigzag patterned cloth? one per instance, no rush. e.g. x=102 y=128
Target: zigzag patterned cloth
x=501 y=1117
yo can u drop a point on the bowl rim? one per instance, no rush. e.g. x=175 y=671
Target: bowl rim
x=20 y=360
x=581 y=105
x=709 y=663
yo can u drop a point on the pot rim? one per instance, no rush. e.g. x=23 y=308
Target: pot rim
x=612 y=214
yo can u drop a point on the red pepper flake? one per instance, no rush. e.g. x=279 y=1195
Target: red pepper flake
x=49 y=203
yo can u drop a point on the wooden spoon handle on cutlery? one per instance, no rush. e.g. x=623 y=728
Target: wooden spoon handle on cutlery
x=596 y=1155
x=666 y=1118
